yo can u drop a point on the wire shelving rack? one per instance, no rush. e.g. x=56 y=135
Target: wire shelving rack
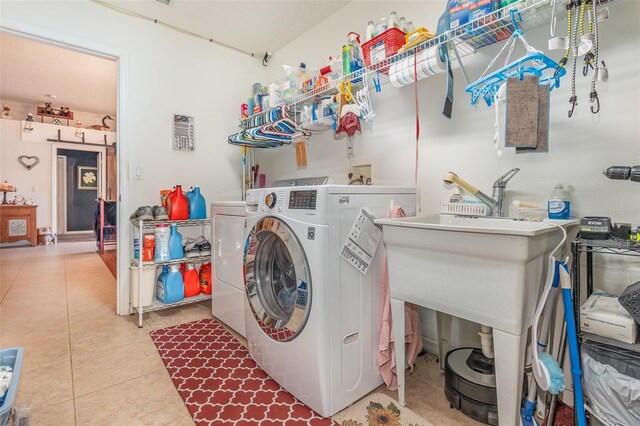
x=463 y=41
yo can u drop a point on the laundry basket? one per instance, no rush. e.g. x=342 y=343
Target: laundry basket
x=148 y=285
x=11 y=357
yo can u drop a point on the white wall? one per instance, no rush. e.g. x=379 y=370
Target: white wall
x=36 y=183
x=580 y=147
x=167 y=72
x=19 y=111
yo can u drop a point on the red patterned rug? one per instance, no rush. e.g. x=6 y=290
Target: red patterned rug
x=219 y=382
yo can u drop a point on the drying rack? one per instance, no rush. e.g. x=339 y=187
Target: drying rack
x=463 y=41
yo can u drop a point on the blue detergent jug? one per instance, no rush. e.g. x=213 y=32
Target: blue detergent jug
x=176 y=251
x=197 y=204
x=171 y=289
x=160 y=282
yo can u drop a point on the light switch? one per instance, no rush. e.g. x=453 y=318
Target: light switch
x=139 y=174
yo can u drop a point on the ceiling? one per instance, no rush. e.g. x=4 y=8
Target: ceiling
x=30 y=70
x=252 y=26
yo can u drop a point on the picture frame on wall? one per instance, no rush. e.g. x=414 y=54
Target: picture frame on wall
x=183 y=133
x=87 y=178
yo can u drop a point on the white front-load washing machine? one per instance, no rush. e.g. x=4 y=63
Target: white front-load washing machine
x=311 y=317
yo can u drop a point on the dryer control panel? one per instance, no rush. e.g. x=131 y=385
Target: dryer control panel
x=303 y=199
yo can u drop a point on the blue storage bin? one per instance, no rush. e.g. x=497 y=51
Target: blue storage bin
x=11 y=357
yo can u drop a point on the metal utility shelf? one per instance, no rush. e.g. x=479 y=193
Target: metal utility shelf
x=137 y=263
x=589 y=247
x=152 y=223
x=138 y=227
x=158 y=305
x=463 y=41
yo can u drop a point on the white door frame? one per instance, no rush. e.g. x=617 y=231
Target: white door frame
x=80 y=44
x=102 y=152
x=63 y=205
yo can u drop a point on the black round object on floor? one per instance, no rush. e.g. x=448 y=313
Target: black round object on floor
x=470 y=384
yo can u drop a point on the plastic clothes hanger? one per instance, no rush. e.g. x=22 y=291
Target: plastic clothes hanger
x=533 y=63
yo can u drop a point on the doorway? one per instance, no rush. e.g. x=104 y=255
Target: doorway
x=79 y=189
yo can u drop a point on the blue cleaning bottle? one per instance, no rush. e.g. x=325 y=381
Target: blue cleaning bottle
x=171 y=290
x=559 y=206
x=176 y=251
x=197 y=204
x=160 y=282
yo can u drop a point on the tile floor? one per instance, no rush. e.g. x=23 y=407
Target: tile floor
x=85 y=365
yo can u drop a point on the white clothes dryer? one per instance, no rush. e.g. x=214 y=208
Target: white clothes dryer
x=227 y=239
x=311 y=317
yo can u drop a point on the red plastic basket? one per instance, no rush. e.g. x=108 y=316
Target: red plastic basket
x=381 y=47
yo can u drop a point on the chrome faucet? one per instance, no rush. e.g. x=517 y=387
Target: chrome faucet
x=496 y=201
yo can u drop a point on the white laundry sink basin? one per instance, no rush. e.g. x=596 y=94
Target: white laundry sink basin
x=484 y=269
x=483 y=225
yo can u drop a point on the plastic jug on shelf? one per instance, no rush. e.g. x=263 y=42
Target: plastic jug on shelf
x=205 y=278
x=176 y=251
x=161 y=236
x=191 y=281
x=163 y=275
x=171 y=289
x=178 y=204
x=197 y=204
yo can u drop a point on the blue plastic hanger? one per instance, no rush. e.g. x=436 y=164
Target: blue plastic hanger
x=536 y=63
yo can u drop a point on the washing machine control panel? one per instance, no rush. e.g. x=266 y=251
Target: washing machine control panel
x=303 y=199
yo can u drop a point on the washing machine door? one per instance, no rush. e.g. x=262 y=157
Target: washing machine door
x=277 y=278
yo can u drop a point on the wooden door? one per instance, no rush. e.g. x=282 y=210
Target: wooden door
x=111 y=187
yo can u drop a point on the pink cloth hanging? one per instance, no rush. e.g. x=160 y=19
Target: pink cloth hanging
x=413 y=335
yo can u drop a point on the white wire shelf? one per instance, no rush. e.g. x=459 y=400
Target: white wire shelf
x=158 y=305
x=137 y=263
x=152 y=223
x=466 y=40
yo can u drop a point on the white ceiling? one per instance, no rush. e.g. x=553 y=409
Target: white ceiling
x=30 y=70
x=252 y=26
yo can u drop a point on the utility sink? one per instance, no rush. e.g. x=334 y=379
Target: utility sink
x=483 y=269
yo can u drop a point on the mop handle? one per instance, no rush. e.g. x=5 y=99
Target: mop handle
x=574 y=350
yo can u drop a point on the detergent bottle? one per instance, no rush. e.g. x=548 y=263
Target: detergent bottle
x=197 y=204
x=205 y=278
x=161 y=236
x=559 y=206
x=162 y=277
x=332 y=69
x=171 y=289
x=191 y=281
x=178 y=205
x=176 y=251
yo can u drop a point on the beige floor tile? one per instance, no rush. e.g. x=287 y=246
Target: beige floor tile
x=179 y=315
x=52 y=294
x=430 y=402
x=46 y=386
x=46 y=351
x=182 y=421
x=15 y=332
x=88 y=302
x=166 y=415
x=103 y=369
x=121 y=331
x=62 y=414
x=22 y=309
x=131 y=402
x=99 y=314
x=429 y=372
